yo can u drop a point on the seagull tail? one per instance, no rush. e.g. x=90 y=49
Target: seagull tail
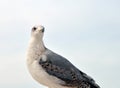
x=94 y=85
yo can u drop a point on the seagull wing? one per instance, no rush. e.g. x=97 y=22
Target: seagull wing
x=61 y=68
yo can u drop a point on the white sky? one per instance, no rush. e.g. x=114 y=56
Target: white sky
x=87 y=32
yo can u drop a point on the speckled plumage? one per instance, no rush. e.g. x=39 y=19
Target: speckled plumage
x=51 y=69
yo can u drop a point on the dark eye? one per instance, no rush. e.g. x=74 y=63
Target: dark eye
x=34 y=28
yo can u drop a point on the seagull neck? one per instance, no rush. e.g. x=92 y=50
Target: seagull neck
x=41 y=46
x=38 y=44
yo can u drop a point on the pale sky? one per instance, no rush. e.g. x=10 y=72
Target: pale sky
x=86 y=32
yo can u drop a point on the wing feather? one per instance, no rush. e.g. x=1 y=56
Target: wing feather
x=61 y=68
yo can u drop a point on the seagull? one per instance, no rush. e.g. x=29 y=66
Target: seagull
x=51 y=69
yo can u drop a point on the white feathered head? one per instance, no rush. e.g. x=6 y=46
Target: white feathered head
x=38 y=32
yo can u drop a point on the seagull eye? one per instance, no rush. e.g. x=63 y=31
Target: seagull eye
x=34 y=28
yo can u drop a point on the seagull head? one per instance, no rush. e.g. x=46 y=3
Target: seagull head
x=38 y=32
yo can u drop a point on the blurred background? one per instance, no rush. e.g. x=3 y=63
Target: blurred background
x=87 y=32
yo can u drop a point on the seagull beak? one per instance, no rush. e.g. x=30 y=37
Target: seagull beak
x=41 y=28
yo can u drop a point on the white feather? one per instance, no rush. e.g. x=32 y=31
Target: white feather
x=35 y=51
